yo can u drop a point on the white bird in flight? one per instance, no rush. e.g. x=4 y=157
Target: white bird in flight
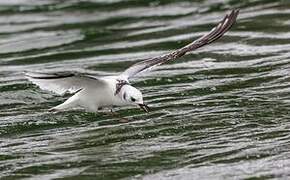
x=93 y=93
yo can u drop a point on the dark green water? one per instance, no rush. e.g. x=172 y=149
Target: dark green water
x=221 y=112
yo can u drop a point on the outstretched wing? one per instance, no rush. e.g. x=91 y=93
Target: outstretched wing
x=62 y=83
x=217 y=32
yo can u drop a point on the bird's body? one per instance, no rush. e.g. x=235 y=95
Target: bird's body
x=93 y=93
x=93 y=99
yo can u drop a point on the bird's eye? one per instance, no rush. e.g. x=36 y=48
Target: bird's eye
x=133 y=99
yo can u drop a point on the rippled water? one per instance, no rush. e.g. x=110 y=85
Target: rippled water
x=221 y=112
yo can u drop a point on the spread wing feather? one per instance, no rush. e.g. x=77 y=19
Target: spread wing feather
x=222 y=27
x=62 y=83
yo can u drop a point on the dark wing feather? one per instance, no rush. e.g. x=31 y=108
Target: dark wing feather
x=62 y=83
x=217 y=32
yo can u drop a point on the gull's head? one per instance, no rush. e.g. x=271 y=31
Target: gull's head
x=133 y=96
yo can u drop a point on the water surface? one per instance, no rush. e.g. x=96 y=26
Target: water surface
x=221 y=112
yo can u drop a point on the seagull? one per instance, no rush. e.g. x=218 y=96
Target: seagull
x=94 y=93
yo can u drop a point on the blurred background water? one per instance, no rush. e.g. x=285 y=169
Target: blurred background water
x=221 y=112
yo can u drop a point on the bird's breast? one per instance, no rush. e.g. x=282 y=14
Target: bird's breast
x=106 y=95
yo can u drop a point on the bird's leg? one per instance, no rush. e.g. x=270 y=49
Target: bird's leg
x=113 y=112
x=122 y=119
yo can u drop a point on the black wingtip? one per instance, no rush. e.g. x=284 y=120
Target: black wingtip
x=38 y=75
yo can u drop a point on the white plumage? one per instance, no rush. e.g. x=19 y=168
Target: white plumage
x=92 y=93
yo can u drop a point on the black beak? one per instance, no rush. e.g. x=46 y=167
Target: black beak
x=144 y=107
